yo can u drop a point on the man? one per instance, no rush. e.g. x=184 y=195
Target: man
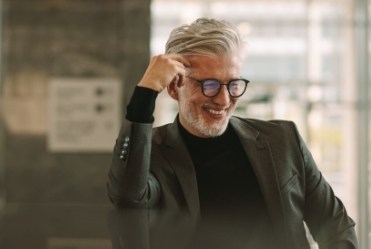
x=252 y=179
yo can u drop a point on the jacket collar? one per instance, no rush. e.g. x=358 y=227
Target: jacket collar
x=183 y=167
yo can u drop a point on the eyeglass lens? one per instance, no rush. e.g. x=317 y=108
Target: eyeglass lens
x=235 y=87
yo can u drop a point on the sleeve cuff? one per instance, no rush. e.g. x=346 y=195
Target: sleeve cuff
x=142 y=105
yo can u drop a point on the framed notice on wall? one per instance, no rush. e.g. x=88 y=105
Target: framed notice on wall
x=84 y=114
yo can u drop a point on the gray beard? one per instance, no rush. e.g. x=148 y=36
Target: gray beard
x=213 y=130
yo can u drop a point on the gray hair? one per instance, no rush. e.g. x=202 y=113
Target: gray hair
x=205 y=37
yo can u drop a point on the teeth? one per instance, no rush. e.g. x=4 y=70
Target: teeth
x=215 y=112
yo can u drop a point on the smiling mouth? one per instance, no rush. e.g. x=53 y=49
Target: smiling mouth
x=215 y=111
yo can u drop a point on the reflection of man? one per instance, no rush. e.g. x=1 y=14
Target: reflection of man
x=247 y=178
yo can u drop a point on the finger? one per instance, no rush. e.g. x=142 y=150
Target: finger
x=176 y=79
x=181 y=59
x=180 y=82
x=181 y=75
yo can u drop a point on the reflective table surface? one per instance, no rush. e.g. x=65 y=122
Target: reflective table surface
x=105 y=227
x=91 y=227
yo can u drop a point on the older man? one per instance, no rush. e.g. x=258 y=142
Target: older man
x=248 y=179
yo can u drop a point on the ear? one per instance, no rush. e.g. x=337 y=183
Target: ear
x=172 y=89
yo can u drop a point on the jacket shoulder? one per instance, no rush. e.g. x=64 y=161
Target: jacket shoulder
x=267 y=125
x=272 y=130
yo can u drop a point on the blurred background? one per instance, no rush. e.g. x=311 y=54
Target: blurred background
x=68 y=67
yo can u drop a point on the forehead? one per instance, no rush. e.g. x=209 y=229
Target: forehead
x=215 y=66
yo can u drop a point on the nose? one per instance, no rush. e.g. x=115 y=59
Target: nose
x=222 y=98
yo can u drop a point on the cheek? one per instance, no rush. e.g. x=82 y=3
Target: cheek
x=190 y=96
x=195 y=102
x=188 y=104
x=233 y=106
x=234 y=101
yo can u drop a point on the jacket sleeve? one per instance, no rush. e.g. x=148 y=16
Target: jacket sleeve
x=130 y=183
x=324 y=213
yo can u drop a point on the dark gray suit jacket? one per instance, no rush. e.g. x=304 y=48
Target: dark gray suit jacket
x=151 y=168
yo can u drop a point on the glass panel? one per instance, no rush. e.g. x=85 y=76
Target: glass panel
x=2 y=135
x=64 y=70
x=301 y=60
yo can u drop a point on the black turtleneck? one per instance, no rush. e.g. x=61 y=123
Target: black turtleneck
x=232 y=205
x=224 y=175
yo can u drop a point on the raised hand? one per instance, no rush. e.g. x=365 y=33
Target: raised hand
x=164 y=69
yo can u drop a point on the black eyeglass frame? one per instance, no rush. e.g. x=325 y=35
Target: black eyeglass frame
x=202 y=82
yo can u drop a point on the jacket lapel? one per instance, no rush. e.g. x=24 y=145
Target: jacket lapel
x=259 y=154
x=182 y=164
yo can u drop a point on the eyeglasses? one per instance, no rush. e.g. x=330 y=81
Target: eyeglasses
x=211 y=87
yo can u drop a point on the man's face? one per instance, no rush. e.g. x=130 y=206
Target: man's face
x=207 y=116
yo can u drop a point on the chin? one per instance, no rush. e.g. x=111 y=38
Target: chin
x=213 y=130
